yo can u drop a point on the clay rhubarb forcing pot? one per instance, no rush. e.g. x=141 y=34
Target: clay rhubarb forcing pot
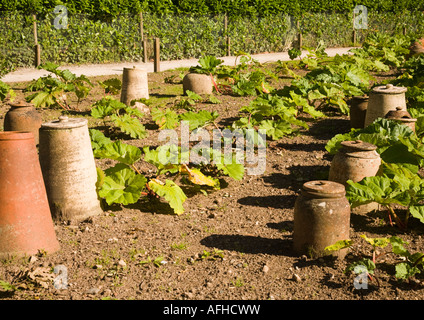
x=134 y=85
x=22 y=116
x=197 y=83
x=416 y=48
x=26 y=225
x=321 y=218
x=355 y=161
x=384 y=99
x=69 y=169
x=358 y=111
x=403 y=117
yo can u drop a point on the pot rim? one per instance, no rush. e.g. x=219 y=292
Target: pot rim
x=16 y=135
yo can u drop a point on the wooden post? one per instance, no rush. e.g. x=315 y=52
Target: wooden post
x=37 y=53
x=145 y=52
x=34 y=24
x=141 y=26
x=404 y=30
x=37 y=49
x=157 y=55
x=226 y=35
x=299 y=36
x=143 y=40
x=354 y=30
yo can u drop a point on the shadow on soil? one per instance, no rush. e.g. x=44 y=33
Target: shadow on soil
x=249 y=244
x=274 y=201
x=325 y=129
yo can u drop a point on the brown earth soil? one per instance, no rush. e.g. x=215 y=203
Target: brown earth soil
x=234 y=243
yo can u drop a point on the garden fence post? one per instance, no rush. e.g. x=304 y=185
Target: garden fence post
x=228 y=41
x=157 y=55
x=145 y=53
x=299 y=36
x=37 y=49
x=141 y=26
x=354 y=30
x=143 y=40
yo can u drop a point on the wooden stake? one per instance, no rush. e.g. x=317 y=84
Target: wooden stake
x=37 y=52
x=37 y=48
x=354 y=31
x=299 y=36
x=141 y=26
x=157 y=55
x=34 y=23
x=145 y=52
x=226 y=34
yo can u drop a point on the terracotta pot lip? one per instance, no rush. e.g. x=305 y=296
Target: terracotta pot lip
x=65 y=123
x=363 y=97
x=20 y=104
x=324 y=188
x=358 y=145
x=16 y=135
x=389 y=89
x=137 y=68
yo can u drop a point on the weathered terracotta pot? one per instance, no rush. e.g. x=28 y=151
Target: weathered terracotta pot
x=22 y=116
x=134 y=85
x=197 y=83
x=26 y=225
x=416 y=48
x=321 y=218
x=358 y=111
x=355 y=161
x=69 y=169
x=384 y=99
x=403 y=117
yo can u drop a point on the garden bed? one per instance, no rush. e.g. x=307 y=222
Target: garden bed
x=232 y=243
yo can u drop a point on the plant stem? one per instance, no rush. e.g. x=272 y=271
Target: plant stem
x=214 y=83
x=135 y=169
x=401 y=224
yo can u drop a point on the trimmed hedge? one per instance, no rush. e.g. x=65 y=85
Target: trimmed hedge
x=110 y=8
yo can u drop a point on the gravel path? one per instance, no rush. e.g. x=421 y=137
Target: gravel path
x=28 y=74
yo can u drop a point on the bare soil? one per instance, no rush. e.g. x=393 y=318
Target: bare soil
x=231 y=244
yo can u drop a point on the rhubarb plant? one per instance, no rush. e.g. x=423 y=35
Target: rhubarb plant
x=411 y=264
x=124 y=118
x=395 y=185
x=124 y=184
x=169 y=119
x=395 y=142
x=52 y=90
x=6 y=92
x=276 y=114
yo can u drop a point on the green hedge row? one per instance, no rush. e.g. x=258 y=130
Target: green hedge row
x=183 y=36
x=110 y=8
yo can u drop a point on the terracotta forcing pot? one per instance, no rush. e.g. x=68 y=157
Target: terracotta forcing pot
x=69 y=169
x=22 y=116
x=26 y=225
x=403 y=117
x=384 y=99
x=355 y=161
x=321 y=218
x=134 y=85
x=358 y=111
x=198 y=83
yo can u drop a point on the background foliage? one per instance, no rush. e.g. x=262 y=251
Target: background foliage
x=101 y=8
x=109 y=31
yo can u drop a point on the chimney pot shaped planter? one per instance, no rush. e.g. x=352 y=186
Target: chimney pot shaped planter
x=26 y=225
